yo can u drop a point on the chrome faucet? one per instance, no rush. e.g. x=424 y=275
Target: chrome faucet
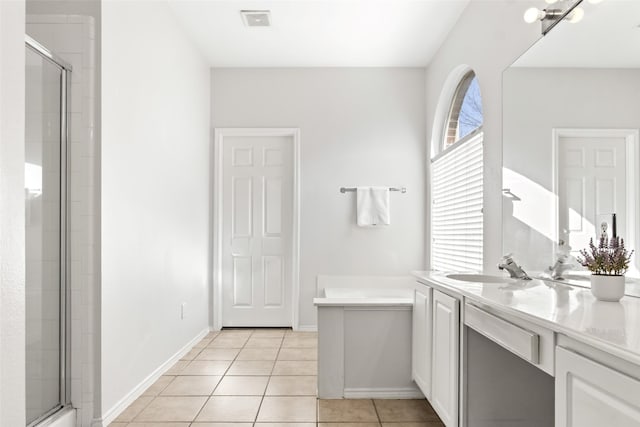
x=562 y=265
x=515 y=271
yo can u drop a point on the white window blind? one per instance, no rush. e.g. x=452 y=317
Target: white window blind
x=456 y=212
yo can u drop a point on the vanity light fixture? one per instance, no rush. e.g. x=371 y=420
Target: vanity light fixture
x=549 y=17
x=534 y=14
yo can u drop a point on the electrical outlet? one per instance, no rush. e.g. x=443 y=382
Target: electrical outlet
x=183 y=311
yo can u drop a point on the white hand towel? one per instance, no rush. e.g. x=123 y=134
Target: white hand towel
x=373 y=206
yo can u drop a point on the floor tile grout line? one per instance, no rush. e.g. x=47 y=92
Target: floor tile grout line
x=255 y=420
x=209 y=396
x=272 y=369
x=277 y=356
x=317 y=408
x=235 y=358
x=164 y=388
x=375 y=408
x=217 y=385
x=138 y=414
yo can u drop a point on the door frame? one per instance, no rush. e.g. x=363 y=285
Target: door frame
x=219 y=138
x=632 y=156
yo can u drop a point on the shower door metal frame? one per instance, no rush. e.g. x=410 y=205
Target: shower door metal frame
x=65 y=264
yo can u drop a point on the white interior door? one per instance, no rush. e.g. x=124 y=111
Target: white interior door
x=592 y=182
x=257 y=230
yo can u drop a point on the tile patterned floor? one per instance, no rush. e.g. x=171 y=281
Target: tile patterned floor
x=259 y=378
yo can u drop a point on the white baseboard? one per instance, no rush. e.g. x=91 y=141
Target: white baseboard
x=383 y=393
x=307 y=328
x=118 y=408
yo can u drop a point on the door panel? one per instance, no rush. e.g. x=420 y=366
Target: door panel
x=272 y=157
x=605 y=195
x=575 y=202
x=257 y=230
x=272 y=207
x=242 y=213
x=422 y=325
x=446 y=333
x=242 y=156
x=273 y=281
x=242 y=281
x=592 y=182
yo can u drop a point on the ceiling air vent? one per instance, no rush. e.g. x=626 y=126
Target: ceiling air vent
x=256 y=18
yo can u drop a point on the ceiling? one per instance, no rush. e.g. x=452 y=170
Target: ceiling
x=320 y=33
x=607 y=37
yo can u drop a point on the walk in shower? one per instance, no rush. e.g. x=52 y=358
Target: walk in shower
x=47 y=296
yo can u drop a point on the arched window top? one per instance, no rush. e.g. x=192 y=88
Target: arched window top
x=465 y=114
x=457 y=176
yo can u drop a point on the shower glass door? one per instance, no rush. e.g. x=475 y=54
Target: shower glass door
x=45 y=195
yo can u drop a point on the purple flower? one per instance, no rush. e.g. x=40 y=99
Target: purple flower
x=610 y=258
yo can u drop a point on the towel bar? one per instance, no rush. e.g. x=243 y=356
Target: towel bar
x=352 y=189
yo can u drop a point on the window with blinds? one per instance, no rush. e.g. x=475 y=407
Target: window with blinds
x=456 y=211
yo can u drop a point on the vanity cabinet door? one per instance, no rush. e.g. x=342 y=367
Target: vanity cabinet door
x=421 y=351
x=589 y=394
x=445 y=358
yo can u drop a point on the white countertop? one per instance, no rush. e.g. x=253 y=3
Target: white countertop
x=573 y=311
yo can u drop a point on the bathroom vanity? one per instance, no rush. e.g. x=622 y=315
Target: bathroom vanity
x=502 y=352
x=537 y=352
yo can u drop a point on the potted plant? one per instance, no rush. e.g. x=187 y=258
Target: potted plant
x=607 y=263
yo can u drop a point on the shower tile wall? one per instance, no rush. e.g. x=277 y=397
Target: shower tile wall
x=73 y=39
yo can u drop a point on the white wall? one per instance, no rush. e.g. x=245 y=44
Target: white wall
x=489 y=36
x=358 y=127
x=155 y=194
x=12 y=211
x=538 y=100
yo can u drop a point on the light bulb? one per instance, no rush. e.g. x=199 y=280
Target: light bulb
x=551 y=1
x=533 y=14
x=576 y=15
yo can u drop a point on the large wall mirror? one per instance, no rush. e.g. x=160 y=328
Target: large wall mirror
x=571 y=154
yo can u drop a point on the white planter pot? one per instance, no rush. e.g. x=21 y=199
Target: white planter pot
x=607 y=288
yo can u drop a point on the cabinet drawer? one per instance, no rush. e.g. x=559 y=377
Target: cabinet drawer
x=519 y=341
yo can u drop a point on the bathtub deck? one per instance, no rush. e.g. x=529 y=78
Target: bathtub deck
x=347 y=297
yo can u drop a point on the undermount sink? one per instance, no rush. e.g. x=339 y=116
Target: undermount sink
x=480 y=278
